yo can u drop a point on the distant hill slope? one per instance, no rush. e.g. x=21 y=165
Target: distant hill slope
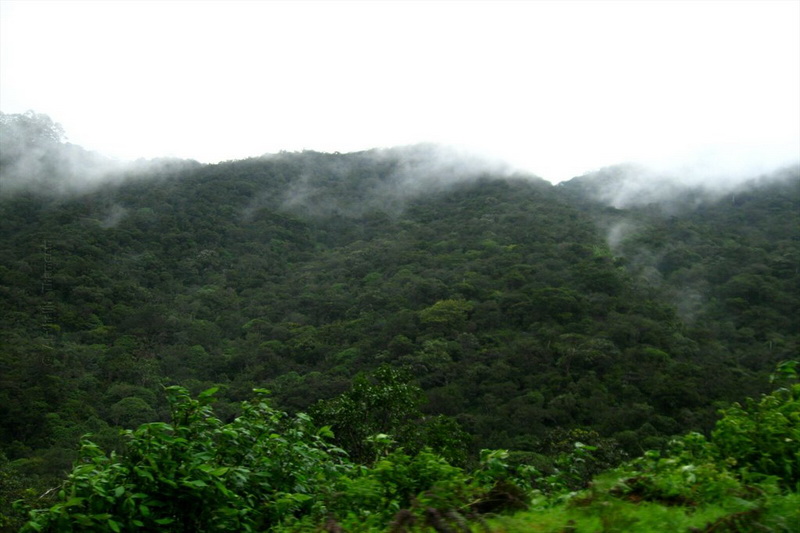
x=726 y=257
x=518 y=306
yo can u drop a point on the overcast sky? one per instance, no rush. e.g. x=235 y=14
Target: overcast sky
x=556 y=88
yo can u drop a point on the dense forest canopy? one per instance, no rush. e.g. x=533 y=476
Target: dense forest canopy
x=517 y=311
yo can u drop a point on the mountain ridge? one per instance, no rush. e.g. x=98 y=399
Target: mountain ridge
x=519 y=307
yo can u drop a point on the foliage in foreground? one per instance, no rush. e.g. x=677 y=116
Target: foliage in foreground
x=262 y=471
x=266 y=471
x=743 y=478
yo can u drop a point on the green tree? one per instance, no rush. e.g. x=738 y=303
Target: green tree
x=763 y=436
x=197 y=473
x=446 y=316
x=389 y=405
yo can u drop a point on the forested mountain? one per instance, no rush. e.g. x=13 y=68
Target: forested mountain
x=523 y=310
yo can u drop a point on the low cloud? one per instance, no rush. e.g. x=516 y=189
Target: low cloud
x=672 y=189
x=379 y=180
x=35 y=158
x=114 y=216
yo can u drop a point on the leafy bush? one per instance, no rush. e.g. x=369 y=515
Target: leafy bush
x=752 y=450
x=763 y=436
x=264 y=471
x=687 y=474
x=198 y=474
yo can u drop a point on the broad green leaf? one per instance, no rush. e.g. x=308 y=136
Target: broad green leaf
x=74 y=501
x=208 y=392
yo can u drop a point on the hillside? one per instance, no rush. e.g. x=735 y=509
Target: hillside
x=521 y=309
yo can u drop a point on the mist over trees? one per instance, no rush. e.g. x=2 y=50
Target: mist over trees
x=35 y=157
x=443 y=302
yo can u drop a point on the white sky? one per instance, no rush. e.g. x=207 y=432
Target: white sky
x=556 y=88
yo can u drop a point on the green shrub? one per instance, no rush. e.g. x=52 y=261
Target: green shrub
x=264 y=471
x=763 y=436
x=198 y=474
